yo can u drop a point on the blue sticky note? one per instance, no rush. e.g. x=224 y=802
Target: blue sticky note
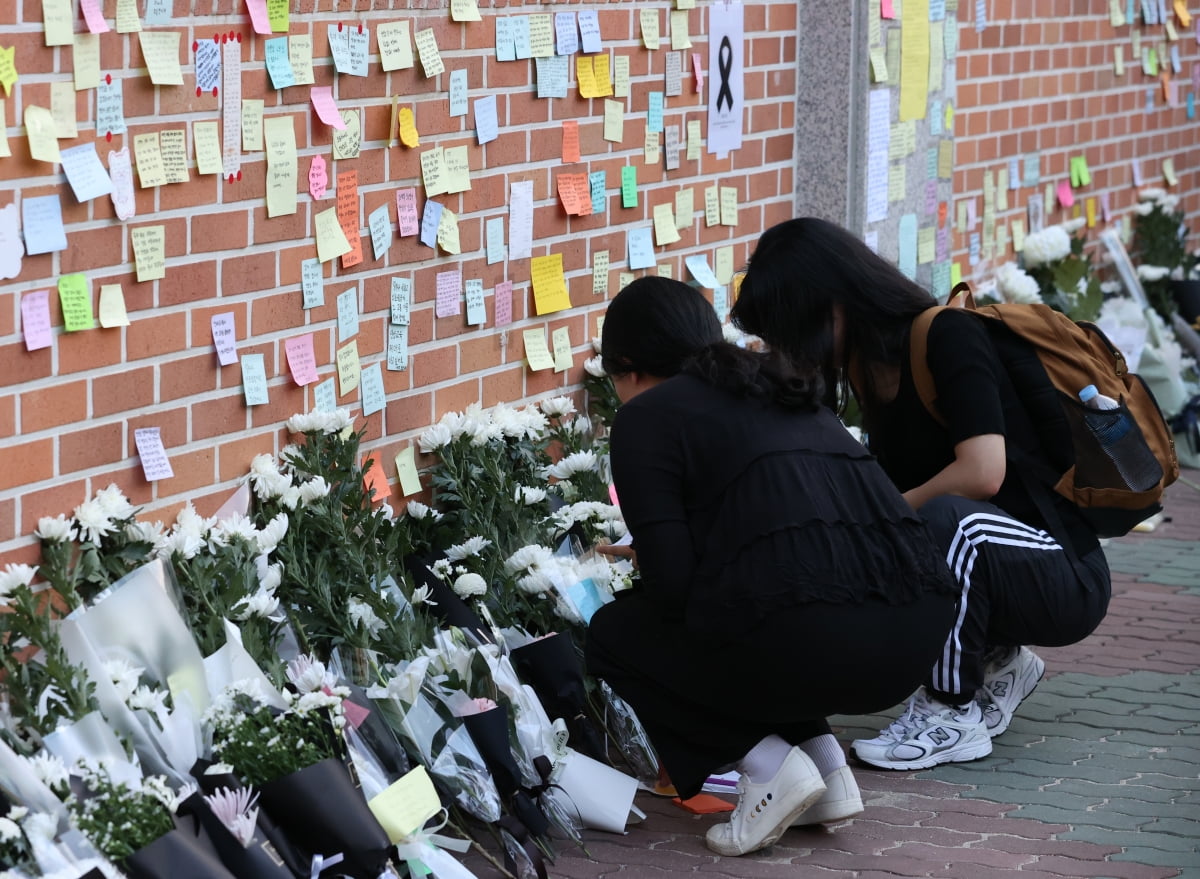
x=552 y=76
x=597 y=185
x=1191 y=110
x=506 y=47
x=522 y=44
x=908 y=245
x=935 y=118
x=458 y=92
x=42 y=222
x=254 y=379
x=641 y=248
x=278 y=63
x=487 y=126
x=587 y=598
x=654 y=116
x=347 y=309
x=370 y=389
x=431 y=218
x=325 y=396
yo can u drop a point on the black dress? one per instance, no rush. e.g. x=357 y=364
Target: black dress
x=783 y=577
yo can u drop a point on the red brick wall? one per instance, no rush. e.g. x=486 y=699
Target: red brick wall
x=1040 y=78
x=68 y=412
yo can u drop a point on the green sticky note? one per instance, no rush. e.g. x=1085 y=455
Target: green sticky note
x=277 y=15
x=1075 y=172
x=955 y=275
x=1085 y=176
x=75 y=294
x=629 y=187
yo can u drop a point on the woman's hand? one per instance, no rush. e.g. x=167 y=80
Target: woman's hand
x=620 y=551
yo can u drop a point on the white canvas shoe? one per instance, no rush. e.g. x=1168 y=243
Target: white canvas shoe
x=765 y=811
x=841 y=800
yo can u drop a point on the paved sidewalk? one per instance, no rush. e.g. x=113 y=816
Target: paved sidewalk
x=1098 y=776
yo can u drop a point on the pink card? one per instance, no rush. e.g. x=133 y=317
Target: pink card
x=449 y=294
x=885 y=9
x=1105 y=211
x=35 y=319
x=503 y=303
x=1066 y=197
x=323 y=103
x=698 y=72
x=259 y=17
x=318 y=178
x=301 y=360
x=94 y=16
x=224 y=334
x=406 y=210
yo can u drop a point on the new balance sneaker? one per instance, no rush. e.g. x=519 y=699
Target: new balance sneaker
x=900 y=728
x=1006 y=683
x=840 y=801
x=938 y=734
x=765 y=811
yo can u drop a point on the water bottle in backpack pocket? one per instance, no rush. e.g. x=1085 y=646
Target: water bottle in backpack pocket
x=1116 y=432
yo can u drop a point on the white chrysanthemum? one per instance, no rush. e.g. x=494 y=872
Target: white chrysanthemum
x=469 y=585
x=530 y=495
x=435 y=437
x=93 y=521
x=309 y=674
x=1016 y=285
x=593 y=367
x=114 y=503
x=9 y=831
x=271 y=579
x=314 y=489
x=1152 y=273
x=482 y=429
x=54 y=529
x=557 y=407
x=421 y=595
x=1050 y=244
x=124 y=677
x=1074 y=224
x=289 y=498
x=180 y=542
x=320 y=422
x=49 y=769
x=508 y=421
x=576 y=462
x=469 y=547
x=263 y=603
x=231 y=528
x=527 y=557
x=1110 y=288
x=535 y=583
x=145 y=532
x=418 y=510
x=12 y=578
x=192 y=522
x=147 y=699
x=596 y=344
x=362 y=614
x=535 y=422
x=1151 y=193
x=1144 y=208
x=273 y=532
x=1169 y=202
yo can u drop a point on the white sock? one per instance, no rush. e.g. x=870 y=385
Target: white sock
x=825 y=752
x=763 y=760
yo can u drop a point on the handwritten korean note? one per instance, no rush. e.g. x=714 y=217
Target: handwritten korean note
x=312 y=283
x=155 y=463
x=41 y=218
x=449 y=294
x=476 y=310
x=395 y=45
x=75 y=298
x=35 y=320
x=348 y=366
x=563 y=357
x=149 y=252
x=302 y=362
x=537 y=355
x=427 y=51
x=254 y=380
x=549 y=284
x=161 y=51
x=224 y=333
x=87 y=175
x=371 y=390
x=112 y=306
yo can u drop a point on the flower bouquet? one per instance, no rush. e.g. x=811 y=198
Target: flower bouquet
x=1055 y=258
x=1170 y=274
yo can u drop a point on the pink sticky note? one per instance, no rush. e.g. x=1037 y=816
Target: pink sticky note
x=301 y=360
x=406 y=210
x=327 y=111
x=259 y=17
x=318 y=179
x=885 y=9
x=1104 y=208
x=94 y=16
x=503 y=303
x=1196 y=68
x=698 y=72
x=1066 y=197
x=35 y=319
x=224 y=333
x=449 y=294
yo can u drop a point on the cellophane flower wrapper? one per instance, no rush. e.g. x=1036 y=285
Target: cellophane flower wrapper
x=438 y=739
x=376 y=752
x=177 y=854
x=632 y=741
x=552 y=666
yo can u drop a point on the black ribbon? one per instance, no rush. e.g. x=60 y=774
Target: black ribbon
x=523 y=838
x=725 y=67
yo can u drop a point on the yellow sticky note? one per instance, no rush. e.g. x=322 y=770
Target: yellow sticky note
x=206 y=140
x=621 y=77
x=729 y=206
x=724 y=264
x=347 y=141
x=427 y=51
x=409 y=136
x=879 y=70
x=541 y=36
x=926 y=242
x=406 y=470
x=945 y=166
x=600 y=264
x=128 y=21
x=665 y=270
x=149 y=160
x=433 y=171
x=549 y=285
x=458 y=169
x=897 y=183
x=651 y=148
x=447 y=232
x=680 y=35
x=585 y=77
x=602 y=75
x=406 y=805
x=39 y=127
x=252 y=125
x=8 y=68
x=1181 y=9
x=75 y=296
x=1018 y=235
x=1118 y=60
x=563 y=359
x=649 y=22
x=624 y=279
x=348 y=367
x=149 y=252
x=685 y=208
x=395 y=45
x=300 y=57
x=62 y=109
x=173 y=146
x=536 y=352
x=86 y=61
x=59 y=22
x=712 y=206
x=112 y=306
x=331 y=240
x=914 y=59
x=693 y=140
x=614 y=120
x=1168 y=170
x=161 y=51
x=665 y=231
x=5 y=150
x=281 y=166
x=955 y=274
x=464 y=10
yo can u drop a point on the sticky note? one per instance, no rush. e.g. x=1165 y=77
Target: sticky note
x=312 y=283
x=88 y=177
x=302 y=362
x=347 y=313
x=585 y=76
x=614 y=120
x=173 y=148
x=379 y=222
x=457 y=164
x=449 y=294
x=665 y=231
x=641 y=248
x=149 y=252
x=629 y=190
x=494 y=235
x=487 y=127
x=536 y=353
x=503 y=303
x=121 y=171
x=406 y=211
x=75 y=298
x=406 y=805
x=347 y=215
x=549 y=284
x=600 y=264
x=1168 y=172
x=697 y=264
x=40 y=129
x=464 y=10
x=300 y=59
x=561 y=341
x=410 y=484
x=431 y=219
x=654 y=115
x=729 y=206
x=648 y=17
x=395 y=45
x=685 y=208
x=112 y=306
x=331 y=240
x=348 y=367
x=371 y=392
x=155 y=463
x=680 y=35
x=597 y=185
x=347 y=141
x=447 y=232
x=541 y=35
x=476 y=310
x=148 y=156
x=1065 y=196
x=589 y=30
x=602 y=75
x=279 y=62
x=35 y=320
x=621 y=76
x=409 y=136
x=254 y=380
x=86 y=61
x=433 y=171
x=458 y=92
x=724 y=265
x=552 y=76
x=427 y=51
x=282 y=172
x=161 y=51
x=323 y=103
x=206 y=141
x=224 y=334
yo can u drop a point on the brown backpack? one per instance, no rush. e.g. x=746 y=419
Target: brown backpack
x=1050 y=358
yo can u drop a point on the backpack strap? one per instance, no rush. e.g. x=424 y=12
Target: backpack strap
x=918 y=347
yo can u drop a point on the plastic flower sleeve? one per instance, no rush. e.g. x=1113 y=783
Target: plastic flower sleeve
x=21 y=784
x=633 y=743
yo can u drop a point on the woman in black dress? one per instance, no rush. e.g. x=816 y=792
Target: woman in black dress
x=782 y=576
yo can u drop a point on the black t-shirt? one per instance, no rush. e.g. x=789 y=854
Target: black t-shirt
x=739 y=508
x=976 y=397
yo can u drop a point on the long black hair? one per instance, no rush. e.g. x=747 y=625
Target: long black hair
x=663 y=327
x=800 y=270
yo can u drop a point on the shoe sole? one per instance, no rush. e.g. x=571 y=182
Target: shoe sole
x=964 y=755
x=773 y=837
x=1001 y=727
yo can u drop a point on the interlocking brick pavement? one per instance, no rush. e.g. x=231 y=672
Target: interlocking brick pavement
x=1098 y=776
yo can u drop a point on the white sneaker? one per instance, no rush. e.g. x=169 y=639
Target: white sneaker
x=840 y=801
x=1005 y=686
x=945 y=734
x=900 y=728
x=765 y=811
